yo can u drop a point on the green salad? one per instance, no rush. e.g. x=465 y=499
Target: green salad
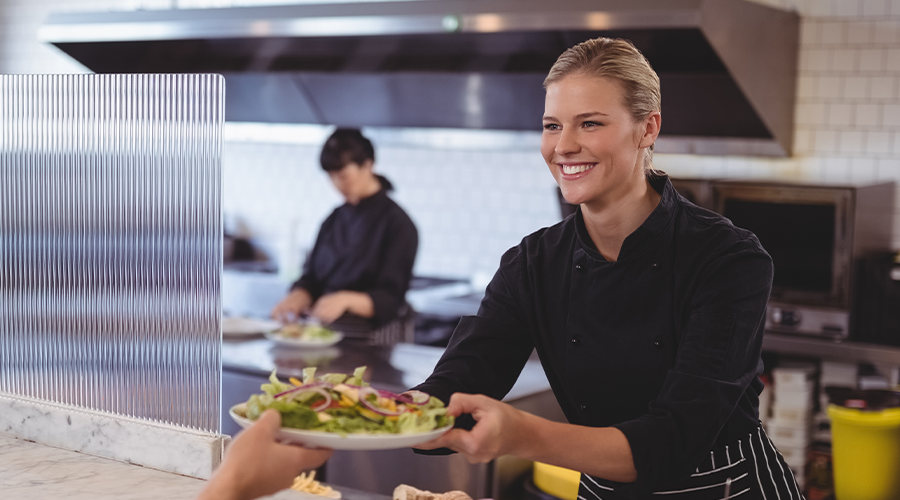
x=308 y=332
x=345 y=404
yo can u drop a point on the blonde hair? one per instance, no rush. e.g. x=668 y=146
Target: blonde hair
x=619 y=60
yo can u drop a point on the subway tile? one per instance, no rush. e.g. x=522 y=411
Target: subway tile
x=859 y=32
x=856 y=87
x=822 y=8
x=845 y=60
x=891 y=115
x=807 y=88
x=851 y=141
x=816 y=60
x=840 y=115
x=878 y=143
x=803 y=141
x=847 y=8
x=896 y=144
x=883 y=87
x=893 y=60
x=826 y=141
x=803 y=65
x=867 y=115
x=872 y=60
x=809 y=32
x=802 y=7
x=886 y=32
x=833 y=33
x=875 y=8
x=830 y=87
x=816 y=113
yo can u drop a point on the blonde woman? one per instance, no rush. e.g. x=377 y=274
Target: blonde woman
x=647 y=313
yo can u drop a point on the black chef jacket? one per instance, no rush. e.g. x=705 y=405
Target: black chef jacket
x=369 y=247
x=663 y=344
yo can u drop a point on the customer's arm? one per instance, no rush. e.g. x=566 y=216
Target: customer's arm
x=256 y=464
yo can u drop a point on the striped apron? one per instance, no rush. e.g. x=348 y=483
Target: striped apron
x=401 y=329
x=747 y=469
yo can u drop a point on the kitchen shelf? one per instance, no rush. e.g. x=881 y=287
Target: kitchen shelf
x=832 y=350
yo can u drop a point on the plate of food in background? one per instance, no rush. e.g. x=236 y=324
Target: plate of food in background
x=343 y=412
x=239 y=326
x=304 y=335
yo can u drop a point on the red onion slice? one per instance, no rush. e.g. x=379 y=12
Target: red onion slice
x=303 y=388
x=318 y=390
x=365 y=391
x=325 y=404
x=413 y=397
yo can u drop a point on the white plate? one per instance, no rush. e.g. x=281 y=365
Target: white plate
x=292 y=342
x=240 y=327
x=338 y=442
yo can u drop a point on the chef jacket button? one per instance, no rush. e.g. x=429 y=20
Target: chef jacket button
x=576 y=341
x=659 y=343
x=578 y=267
x=654 y=266
x=584 y=407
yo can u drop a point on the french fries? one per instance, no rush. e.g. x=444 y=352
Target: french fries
x=308 y=484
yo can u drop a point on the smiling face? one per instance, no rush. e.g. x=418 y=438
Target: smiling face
x=591 y=143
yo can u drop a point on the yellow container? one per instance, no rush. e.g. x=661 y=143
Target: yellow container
x=865 y=453
x=557 y=481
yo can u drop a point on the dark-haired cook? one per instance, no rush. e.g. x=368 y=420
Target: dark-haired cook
x=647 y=313
x=359 y=270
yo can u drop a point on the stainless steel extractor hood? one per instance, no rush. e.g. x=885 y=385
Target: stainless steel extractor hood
x=727 y=67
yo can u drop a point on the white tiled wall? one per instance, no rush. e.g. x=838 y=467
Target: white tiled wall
x=470 y=205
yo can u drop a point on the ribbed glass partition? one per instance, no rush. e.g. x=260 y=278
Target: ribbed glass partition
x=110 y=243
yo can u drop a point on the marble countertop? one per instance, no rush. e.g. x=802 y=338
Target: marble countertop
x=37 y=472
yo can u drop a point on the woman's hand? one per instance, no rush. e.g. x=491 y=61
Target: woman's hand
x=256 y=465
x=332 y=306
x=292 y=306
x=499 y=429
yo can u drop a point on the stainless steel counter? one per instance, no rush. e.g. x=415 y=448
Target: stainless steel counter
x=394 y=368
x=247 y=363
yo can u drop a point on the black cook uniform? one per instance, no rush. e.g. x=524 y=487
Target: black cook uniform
x=368 y=247
x=663 y=344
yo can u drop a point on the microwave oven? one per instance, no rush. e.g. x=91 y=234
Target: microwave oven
x=815 y=234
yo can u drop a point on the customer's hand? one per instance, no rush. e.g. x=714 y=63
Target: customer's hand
x=497 y=429
x=292 y=306
x=256 y=464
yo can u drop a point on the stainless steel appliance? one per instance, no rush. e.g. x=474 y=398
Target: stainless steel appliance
x=876 y=305
x=814 y=234
x=476 y=64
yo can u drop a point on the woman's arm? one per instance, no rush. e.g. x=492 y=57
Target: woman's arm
x=332 y=306
x=292 y=306
x=501 y=429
